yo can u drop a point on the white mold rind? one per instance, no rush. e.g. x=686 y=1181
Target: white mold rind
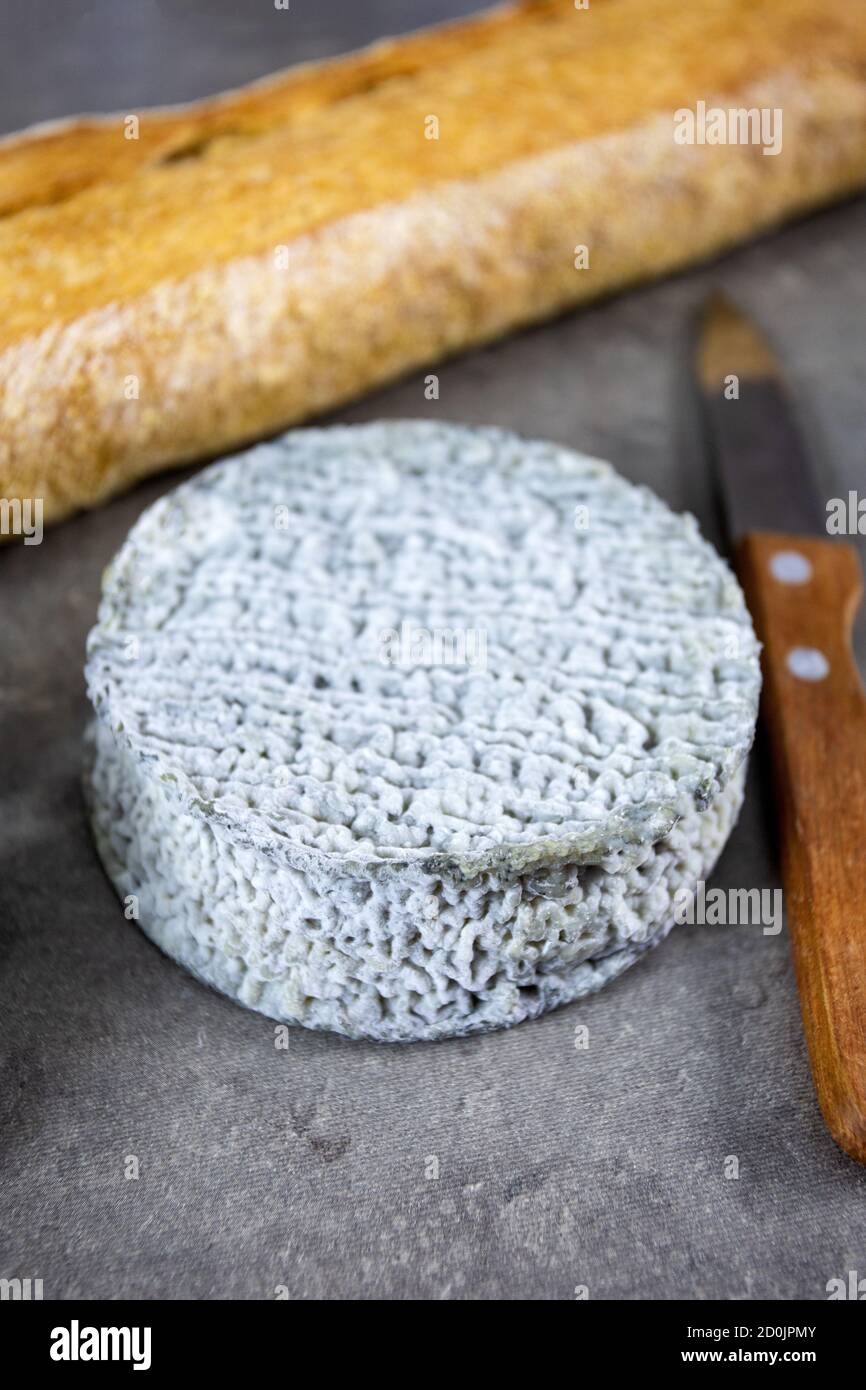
x=397 y=854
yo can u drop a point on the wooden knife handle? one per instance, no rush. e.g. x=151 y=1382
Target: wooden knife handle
x=804 y=595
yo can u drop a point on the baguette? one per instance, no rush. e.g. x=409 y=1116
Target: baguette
x=252 y=260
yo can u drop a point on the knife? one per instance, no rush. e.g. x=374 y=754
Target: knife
x=803 y=589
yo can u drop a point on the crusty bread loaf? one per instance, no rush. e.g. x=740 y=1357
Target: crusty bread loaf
x=251 y=260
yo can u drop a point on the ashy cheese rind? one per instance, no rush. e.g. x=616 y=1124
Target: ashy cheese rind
x=408 y=730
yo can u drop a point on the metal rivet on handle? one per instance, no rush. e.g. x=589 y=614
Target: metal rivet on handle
x=790 y=567
x=808 y=664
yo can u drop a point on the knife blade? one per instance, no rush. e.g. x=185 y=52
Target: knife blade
x=758 y=443
x=803 y=590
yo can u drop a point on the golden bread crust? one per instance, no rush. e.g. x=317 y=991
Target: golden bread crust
x=278 y=273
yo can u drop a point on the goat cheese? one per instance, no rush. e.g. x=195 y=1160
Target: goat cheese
x=410 y=730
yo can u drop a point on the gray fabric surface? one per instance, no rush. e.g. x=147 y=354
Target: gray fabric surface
x=306 y=1168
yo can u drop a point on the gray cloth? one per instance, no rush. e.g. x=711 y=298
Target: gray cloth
x=307 y=1168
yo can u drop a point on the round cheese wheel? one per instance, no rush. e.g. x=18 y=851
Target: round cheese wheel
x=409 y=730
